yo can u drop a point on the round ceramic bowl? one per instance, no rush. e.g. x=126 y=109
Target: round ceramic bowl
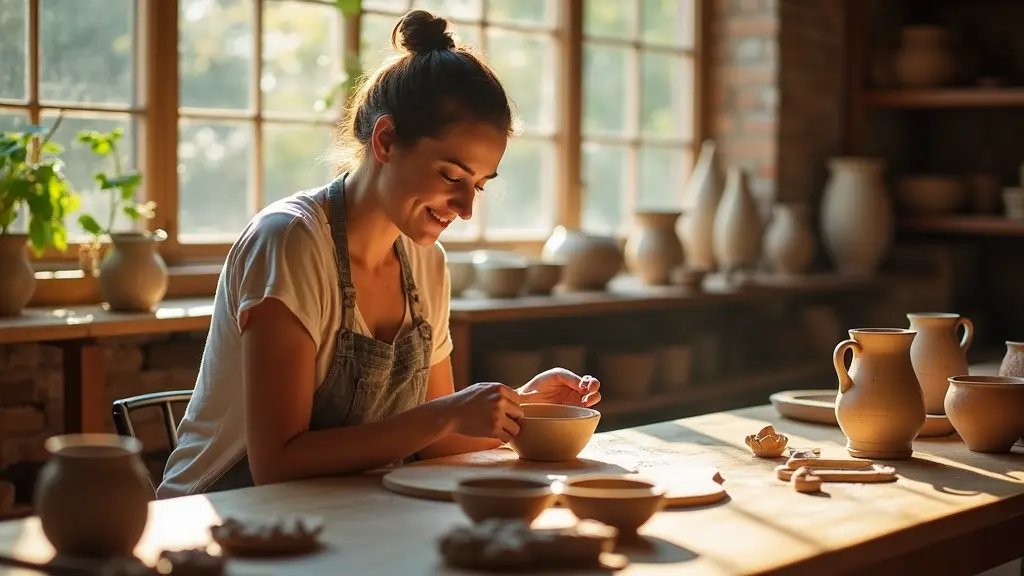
x=461 y=270
x=987 y=411
x=927 y=194
x=616 y=500
x=554 y=432
x=542 y=277
x=498 y=279
x=506 y=497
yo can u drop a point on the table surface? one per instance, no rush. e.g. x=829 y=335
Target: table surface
x=764 y=526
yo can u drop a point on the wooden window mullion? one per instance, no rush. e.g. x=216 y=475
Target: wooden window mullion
x=32 y=38
x=256 y=189
x=569 y=210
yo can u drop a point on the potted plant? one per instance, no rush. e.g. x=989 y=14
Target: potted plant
x=132 y=274
x=30 y=177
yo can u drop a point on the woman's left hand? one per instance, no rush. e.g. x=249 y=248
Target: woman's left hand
x=560 y=386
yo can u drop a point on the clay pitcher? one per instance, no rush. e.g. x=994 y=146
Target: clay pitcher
x=92 y=496
x=880 y=406
x=1013 y=360
x=937 y=354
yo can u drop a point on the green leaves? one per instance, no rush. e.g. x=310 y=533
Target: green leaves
x=90 y=225
x=121 y=185
x=349 y=7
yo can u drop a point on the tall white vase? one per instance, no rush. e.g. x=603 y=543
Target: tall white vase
x=700 y=203
x=738 y=228
x=789 y=239
x=856 y=215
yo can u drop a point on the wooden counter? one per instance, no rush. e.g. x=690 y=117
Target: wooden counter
x=952 y=511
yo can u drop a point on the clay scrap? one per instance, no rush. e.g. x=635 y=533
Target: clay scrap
x=767 y=443
x=255 y=537
x=873 y=473
x=503 y=545
x=804 y=480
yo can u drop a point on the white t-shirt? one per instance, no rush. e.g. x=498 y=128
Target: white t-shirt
x=286 y=252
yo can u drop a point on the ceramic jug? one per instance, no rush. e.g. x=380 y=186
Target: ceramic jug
x=92 y=495
x=880 y=406
x=1013 y=360
x=937 y=354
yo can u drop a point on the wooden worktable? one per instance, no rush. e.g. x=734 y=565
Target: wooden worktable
x=951 y=512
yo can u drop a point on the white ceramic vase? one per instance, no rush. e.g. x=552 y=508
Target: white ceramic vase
x=738 y=228
x=652 y=249
x=700 y=203
x=789 y=239
x=856 y=215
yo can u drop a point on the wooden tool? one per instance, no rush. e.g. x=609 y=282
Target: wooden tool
x=796 y=463
x=874 y=473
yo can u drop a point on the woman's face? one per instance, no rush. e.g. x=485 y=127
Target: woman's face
x=427 y=185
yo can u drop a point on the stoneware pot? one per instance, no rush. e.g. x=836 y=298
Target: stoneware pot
x=789 y=239
x=591 y=261
x=1013 y=361
x=653 y=250
x=615 y=500
x=17 y=278
x=93 y=494
x=880 y=406
x=924 y=58
x=133 y=275
x=506 y=497
x=554 y=432
x=938 y=353
x=700 y=203
x=738 y=229
x=542 y=277
x=987 y=411
x=856 y=215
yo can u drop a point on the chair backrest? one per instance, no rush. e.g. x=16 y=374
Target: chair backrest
x=123 y=408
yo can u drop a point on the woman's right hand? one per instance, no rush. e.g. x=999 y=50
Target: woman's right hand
x=486 y=410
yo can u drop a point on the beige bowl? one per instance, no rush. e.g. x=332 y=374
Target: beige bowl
x=506 y=497
x=461 y=270
x=542 y=277
x=616 y=500
x=987 y=411
x=554 y=432
x=499 y=279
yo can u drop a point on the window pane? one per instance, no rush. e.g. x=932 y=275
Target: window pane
x=397 y=6
x=12 y=49
x=667 y=22
x=535 y=12
x=214 y=176
x=85 y=50
x=666 y=99
x=216 y=53
x=375 y=39
x=526 y=65
x=605 y=74
x=291 y=162
x=457 y=9
x=661 y=176
x=605 y=187
x=467 y=34
x=609 y=18
x=301 y=45
x=12 y=119
x=81 y=165
x=520 y=198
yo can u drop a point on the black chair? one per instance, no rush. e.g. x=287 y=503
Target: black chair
x=123 y=408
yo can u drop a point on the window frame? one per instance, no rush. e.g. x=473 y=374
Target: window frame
x=194 y=267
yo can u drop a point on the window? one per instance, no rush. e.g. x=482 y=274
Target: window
x=637 y=109
x=518 y=38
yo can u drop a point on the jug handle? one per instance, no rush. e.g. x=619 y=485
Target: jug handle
x=839 y=360
x=965 y=342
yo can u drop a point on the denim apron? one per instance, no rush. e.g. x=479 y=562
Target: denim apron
x=369 y=380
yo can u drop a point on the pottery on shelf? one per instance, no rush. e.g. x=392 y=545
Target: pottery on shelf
x=1013 y=360
x=880 y=406
x=93 y=494
x=653 y=250
x=542 y=277
x=738 y=228
x=591 y=261
x=925 y=194
x=938 y=353
x=461 y=271
x=18 y=279
x=133 y=276
x=789 y=239
x=987 y=411
x=924 y=58
x=856 y=215
x=500 y=279
x=700 y=204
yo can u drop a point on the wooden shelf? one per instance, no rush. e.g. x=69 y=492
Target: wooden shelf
x=964 y=225
x=947 y=98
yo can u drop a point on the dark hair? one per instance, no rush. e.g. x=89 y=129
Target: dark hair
x=430 y=84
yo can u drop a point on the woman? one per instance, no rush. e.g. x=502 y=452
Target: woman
x=328 y=351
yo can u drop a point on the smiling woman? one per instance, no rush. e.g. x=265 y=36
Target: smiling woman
x=301 y=378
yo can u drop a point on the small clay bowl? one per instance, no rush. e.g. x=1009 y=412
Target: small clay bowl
x=506 y=497
x=542 y=277
x=498 y=279
x=616 y=500
x=554 y=432
x=987 y=411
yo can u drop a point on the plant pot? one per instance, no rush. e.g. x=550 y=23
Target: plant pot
x=17 y=278
x=133 y=275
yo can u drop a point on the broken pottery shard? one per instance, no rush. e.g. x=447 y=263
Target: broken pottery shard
x=767 y=443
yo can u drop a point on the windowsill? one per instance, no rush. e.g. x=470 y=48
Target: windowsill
x=76 y=288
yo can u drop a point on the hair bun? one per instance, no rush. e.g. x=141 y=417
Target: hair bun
x=420 y=31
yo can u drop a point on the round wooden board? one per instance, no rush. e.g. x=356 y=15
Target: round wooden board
x=819 y=406
x=437 y=479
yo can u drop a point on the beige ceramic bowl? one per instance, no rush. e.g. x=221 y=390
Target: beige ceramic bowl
x=507 y=497
x=616 y=500
x=987 y=411
x=498 y=279
x=461 y=270
x=542 y=277
x=554 y=432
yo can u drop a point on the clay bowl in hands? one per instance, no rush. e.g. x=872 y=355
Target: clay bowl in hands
x=506 y=497
x=554 y=432
x=987 y=411
x=616 y=500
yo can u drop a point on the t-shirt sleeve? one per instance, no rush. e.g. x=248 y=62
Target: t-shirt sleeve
x=277 y=258
x=441 y=300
